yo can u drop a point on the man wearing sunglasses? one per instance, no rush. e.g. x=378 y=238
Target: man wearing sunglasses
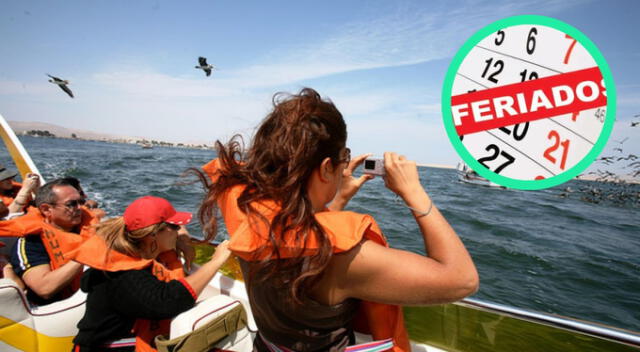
x=40 y=257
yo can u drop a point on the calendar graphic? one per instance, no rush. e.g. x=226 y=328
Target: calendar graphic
x=528 y=102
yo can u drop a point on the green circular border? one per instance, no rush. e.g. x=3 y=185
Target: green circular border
x=462 y=150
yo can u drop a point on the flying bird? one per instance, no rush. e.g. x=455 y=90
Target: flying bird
x=634 y=124
x=606 y=160
x=622 y=141
x=62 y=83
x=204 y=66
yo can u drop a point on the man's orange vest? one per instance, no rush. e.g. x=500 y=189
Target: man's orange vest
x=57 y=242
x=97 y=212
x=344 y=229
x=95 y=253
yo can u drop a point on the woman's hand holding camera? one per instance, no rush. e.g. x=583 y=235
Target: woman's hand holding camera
x=402 y=179
x=401 y=175
x=350 y=184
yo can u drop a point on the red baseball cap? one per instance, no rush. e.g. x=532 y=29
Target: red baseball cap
x=149 y=210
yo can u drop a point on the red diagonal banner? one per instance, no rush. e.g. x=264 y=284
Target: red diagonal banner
x=528 y=101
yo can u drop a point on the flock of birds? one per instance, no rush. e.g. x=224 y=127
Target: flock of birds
x=632 y=160
x=622 y=194
x=610 y=186
x=63 y=83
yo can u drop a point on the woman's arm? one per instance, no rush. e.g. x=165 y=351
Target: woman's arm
x=376 y=273
x=205 y=273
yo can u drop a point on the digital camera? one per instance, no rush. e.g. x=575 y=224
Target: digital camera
x=373 y=166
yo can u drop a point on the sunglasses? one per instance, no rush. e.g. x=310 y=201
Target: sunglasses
x=347 y=156
x=173 y=227
x=72 y=204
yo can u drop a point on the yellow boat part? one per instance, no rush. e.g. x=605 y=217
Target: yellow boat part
x=26 y=339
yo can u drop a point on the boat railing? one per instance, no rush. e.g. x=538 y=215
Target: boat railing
x=593 y=329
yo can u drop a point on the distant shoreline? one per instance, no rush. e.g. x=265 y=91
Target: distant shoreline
x=141 y=143
x=22 y=128
x=437 y=166
x=591 y=178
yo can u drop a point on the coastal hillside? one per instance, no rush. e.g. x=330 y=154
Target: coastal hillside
x=21 y=127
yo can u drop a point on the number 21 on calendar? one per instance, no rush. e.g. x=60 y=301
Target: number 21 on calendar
x=528 y=102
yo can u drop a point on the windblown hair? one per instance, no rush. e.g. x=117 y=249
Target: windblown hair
x=294 y=139
x=119 y=239
x=75 y=183
x=45 y=194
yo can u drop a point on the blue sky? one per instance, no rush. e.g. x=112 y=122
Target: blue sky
x=131 y=64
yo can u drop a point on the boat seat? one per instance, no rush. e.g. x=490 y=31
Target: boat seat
x=219 y=321
x=14 y=304
x=26 y=326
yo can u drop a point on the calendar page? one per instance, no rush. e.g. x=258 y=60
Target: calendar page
x=528 y=102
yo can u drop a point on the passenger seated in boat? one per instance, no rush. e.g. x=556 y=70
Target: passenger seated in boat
x=16 y=196
x=314 y=272
x=8 y=187
x=136 y=275
x=47 y=233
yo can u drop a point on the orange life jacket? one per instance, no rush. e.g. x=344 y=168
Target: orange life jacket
x=344 y=229
x=95 y=253
x=97 y=212
x=7 y=200
x=57 y=242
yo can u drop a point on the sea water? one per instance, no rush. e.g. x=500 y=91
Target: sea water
x=548 y=251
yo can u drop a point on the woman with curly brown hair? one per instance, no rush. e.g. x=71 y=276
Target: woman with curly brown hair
x=314 y=272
